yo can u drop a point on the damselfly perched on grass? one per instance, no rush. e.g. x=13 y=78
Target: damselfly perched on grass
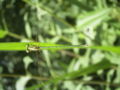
x=37 y=48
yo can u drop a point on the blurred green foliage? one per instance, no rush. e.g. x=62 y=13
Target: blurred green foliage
x=91 y=22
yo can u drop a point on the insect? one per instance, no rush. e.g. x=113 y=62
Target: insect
x=37 y=48
x=32 y=48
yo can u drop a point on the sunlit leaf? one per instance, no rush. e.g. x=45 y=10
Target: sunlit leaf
x=20 y=84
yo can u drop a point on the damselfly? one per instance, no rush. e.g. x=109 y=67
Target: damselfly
x=31 y=48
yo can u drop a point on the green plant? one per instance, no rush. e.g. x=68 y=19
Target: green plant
x=78 y=44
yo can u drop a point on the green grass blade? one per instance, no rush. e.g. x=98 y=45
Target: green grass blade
x=85 y=71
x=22 y=46
x=115 y=49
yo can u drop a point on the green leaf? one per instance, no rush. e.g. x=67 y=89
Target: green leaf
x=85 y=71
x=21 y=82
x=35 y=46
x=92 y=19
x=27 y=26
x=22 y=46
x=3 y=33
x=27 y=61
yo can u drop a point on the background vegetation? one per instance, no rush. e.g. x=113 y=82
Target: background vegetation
x=73 y=22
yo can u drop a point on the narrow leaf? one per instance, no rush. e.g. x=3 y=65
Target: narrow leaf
x=3 y=33
x=85 y=71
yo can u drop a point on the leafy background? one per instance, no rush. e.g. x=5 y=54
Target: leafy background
x=74 y=22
